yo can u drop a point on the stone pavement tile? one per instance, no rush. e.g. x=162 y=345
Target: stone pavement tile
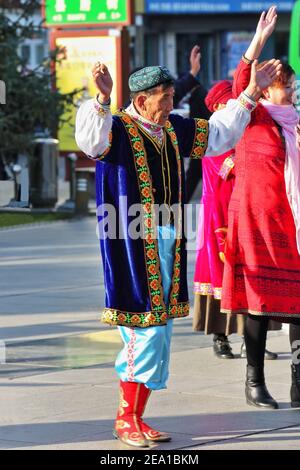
x=221 y=380
x=200 y=371
x=48 y=432
x=27 y=404
x=281 y=439
x=204 y=403
x=194 y=414
x=235 y=389
x=11 y=371
x=70 y=352
x=99 y=375
x=10 y=444
x=105 y=441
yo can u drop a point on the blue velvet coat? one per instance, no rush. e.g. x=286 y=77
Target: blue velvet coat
x=134 y=294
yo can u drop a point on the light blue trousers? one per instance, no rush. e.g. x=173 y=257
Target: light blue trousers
x=146 y=352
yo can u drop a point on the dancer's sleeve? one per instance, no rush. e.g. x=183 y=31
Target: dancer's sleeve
x=241 y=77
x=227 y=126
x=93 y=131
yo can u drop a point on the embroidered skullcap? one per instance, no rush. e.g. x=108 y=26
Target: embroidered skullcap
x=221 y=92
x=149 y=77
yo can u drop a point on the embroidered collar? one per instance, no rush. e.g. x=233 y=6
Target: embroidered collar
x=155 y=130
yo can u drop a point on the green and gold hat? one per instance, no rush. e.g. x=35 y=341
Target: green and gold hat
x=149 y=77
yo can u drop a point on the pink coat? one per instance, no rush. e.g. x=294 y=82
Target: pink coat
x=213 y=221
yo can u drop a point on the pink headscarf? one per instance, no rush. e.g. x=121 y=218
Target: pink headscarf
x=287 y=117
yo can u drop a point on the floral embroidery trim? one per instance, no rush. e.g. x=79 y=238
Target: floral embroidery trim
x=200 y=139
x=245 y=102
x=147 y=202
x=203 y=288
x=130 y=355
x=176 y=267
x=227 y=167
x=101 y=109
x=110 y=136
x=182 y=309
x=262 y=314
x=158 y=314
x=145 y=319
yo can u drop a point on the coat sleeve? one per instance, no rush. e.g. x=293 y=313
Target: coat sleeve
x=199 y=137
x=241 y=77
x=93 y=130
x=227 y=126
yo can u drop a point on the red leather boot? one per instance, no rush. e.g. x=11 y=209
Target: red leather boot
x=149 y=433
x=127 y=426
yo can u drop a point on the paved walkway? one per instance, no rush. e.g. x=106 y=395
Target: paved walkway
x=58 y=386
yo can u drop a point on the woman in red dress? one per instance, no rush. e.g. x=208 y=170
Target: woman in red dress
x=216 y=192
x=262 y=267
x=217 y=186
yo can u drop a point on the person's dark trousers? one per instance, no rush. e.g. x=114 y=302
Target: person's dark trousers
x=255 y=339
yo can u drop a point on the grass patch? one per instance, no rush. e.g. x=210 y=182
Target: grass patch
x=11 y=219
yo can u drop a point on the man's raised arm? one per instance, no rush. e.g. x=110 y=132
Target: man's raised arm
x=94 y=119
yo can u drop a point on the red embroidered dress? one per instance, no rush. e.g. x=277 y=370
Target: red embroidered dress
x=262 y=267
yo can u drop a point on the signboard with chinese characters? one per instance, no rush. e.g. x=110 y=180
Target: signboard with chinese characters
x=78 y=54
x=215 y=6
x=82 y=12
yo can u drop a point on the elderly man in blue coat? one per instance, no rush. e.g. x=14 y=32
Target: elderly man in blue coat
x=139 y=163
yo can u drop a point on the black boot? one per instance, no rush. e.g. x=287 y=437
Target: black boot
x=268 y=354
x=295 y=387
x=256 y=390
x=222 y=347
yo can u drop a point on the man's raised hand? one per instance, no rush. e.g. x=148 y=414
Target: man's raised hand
x=103 y=81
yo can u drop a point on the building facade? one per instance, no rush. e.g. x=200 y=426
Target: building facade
x=166 y=30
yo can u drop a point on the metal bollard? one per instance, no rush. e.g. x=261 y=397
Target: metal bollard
x=82 y=192
x=72 y=158
x=2 y=352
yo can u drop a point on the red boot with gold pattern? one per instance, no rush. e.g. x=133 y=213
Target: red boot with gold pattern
x=149 y=433
x=127 y=426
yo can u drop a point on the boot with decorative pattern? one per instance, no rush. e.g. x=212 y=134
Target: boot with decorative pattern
x=127 y=426
x=149 y=433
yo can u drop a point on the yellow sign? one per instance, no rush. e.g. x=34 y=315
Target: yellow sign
x=74 y=72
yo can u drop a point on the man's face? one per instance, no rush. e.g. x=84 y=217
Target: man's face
x=159 y=105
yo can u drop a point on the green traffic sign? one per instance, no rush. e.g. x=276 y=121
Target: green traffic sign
x=77 y=12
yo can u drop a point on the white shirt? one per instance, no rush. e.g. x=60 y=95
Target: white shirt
x=226 y=127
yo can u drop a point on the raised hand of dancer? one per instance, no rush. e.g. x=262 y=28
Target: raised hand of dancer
x=267 y=23
x=195 y=60
x=262 y=78
x=103 y=81
x=265 y=27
